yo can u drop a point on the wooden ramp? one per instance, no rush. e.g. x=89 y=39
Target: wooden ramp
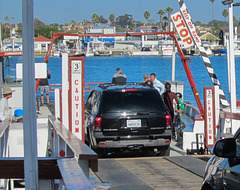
x=182 y=172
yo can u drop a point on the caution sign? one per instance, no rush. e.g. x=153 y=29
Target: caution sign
x=209 y=116
x=76 y=116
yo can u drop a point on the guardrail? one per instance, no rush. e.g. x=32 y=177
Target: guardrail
x=69 y=160
x=88 y=86
x=4 y=131
x=75 y=157
x=226 y=117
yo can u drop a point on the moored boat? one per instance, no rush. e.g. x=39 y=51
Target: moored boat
x=145 y=51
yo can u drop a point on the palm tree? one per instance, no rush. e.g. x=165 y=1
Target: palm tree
x=212 y=9
x=112 y=18
x=169 y=11
x=225 y=14
x=147 y=15
x=161 y=13
x=95 y=18
x=165 y=19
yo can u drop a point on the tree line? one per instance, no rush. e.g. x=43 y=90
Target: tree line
x=123 y=23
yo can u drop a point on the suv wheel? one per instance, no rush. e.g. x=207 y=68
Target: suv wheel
x=164 y=151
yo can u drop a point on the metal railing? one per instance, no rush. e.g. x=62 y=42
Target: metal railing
x=226 y=118
x=88 y=86
x=4 y=131
x=68 y=160
x=74 y=156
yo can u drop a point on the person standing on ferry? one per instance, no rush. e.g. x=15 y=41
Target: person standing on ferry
x=119 y=78
x=44 y=88
x=4 y=108
x=156 y=83
x=168 y=97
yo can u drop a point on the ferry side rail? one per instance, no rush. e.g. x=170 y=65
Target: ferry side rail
x=4 y=131
x=193 y=132
x=88 y=86
x=64 y=144
x=225 y=119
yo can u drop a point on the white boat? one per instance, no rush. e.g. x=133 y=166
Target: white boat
x=237 y=50
x=207 y=48
x=145 y=51
x=93 y=47
x=166 y=46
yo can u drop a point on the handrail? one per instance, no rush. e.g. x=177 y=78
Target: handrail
x=76 y=159
x=72 y=175
x=87 y=86
x=4 y=129
x=52 y=87
x=229 y=115
x=63 y=143
x=3 y=126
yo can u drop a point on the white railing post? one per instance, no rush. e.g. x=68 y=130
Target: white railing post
x=57 y=103
x=217 y=112
x=65 y=88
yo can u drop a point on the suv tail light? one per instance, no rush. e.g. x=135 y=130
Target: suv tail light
x=168 y=121
x=97 y=123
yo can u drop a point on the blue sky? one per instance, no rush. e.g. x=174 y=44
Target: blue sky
x=63 y=11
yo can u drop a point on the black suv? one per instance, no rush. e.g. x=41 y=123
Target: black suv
x=132 y=117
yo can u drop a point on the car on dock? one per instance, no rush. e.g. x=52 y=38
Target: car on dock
x=223 y=169
x=127 y=117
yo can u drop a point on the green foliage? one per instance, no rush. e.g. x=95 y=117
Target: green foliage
x=112 y=18
x=46 y=31
x=124 y=20
x=5 y=32
x=95 y=18
x=147 y=14
x=38 y=23
x=102 y=20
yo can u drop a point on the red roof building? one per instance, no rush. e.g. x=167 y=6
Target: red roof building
x=41 y=43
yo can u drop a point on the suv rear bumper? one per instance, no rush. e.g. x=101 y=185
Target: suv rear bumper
x=128 y=142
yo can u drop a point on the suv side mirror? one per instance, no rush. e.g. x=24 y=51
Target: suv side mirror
x=225 y=148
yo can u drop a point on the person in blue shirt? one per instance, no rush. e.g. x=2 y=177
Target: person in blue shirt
x=156 y=83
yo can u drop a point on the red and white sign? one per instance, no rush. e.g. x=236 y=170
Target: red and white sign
x=182 y=30
x=209 y=116
x=191 y=28
x=76 y=116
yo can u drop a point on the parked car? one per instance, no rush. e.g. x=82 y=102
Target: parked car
x=223 y=169
x=131 y=117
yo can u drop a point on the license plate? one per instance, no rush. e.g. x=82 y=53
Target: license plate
x=134 y=123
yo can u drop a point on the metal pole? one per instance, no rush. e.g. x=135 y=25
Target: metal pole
x=29 y=98
x=0 y=36
x=173 y=62
x=232 y=66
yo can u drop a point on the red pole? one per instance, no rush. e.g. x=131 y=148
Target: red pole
x=189 y=75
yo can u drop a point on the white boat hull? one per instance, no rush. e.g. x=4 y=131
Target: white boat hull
x=146 y=53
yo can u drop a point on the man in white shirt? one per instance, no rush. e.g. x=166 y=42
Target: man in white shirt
x=156 y=83
x=4 y=108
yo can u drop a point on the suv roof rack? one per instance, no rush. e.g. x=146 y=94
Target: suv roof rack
x=106 y=85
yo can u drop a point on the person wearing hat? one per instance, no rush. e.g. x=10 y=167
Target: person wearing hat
x=4 y=108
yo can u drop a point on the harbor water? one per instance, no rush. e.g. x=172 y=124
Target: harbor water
x=101 y=69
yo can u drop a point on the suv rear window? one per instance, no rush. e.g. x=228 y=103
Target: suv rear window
x=118 y=101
